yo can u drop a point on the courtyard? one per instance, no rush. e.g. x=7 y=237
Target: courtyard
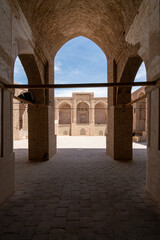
x=81 y=193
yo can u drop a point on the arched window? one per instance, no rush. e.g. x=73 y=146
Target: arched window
x=140 y=107
x=100 y=113
x=82 y=113
x=65 y=114
x=20 y=110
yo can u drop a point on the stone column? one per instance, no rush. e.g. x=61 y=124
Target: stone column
x=74 y=118
x=7 y=163
x=92 y=118
x=42 y=139
x=42 y=143
x=111 y=101
x=119 y=138
x=7 y=158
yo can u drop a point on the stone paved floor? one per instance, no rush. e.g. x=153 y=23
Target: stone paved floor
x=80 y=194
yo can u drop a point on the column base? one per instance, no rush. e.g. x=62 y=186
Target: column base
x=119 y=137
x=42 y=141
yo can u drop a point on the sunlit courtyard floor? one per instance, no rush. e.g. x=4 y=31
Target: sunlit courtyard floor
x=90 y=142
x=81 y=193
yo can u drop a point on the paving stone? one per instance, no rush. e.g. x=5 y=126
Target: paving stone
x=14 y=228
x=72 y=227
x=85 y=212
x=86 y=222
x=44 y=227
x=73 y=215
x=59 y=222
x=85 y=234
x=56 y=234
x=41 y=237
x=80 y=195
x=61 y=212
x=71 y=237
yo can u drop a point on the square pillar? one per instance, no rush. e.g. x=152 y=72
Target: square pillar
x=42 y=140
x=7 y=157
x=119 y=137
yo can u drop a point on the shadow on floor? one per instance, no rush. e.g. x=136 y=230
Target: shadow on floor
x=80 y=194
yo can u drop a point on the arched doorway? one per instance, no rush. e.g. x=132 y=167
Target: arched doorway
x=75 y=63
x=65 y=113
x=39 y=141
x=82 y=113
x=64 y=127
x=20 y=110
x=100 y=113
x=101 y=119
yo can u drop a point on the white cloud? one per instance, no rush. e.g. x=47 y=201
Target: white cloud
x=57 y=67
x=75 y=72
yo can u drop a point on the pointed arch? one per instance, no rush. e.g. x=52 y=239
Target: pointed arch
x=128 y=75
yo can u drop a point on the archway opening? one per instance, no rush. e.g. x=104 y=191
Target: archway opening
x=81 y=61
x=140 y=109
x=20 y=109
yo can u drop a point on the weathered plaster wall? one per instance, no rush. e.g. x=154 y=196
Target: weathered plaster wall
x=145 y=30
x=12 y=28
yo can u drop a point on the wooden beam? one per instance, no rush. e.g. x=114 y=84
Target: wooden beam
x=82 y=85
x=136 y=100
x=25 y=101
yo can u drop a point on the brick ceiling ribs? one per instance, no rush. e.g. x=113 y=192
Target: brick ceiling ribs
x=105 y=22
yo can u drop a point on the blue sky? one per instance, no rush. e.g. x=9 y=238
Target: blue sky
x=79 y=61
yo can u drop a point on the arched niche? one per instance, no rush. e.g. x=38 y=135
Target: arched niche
x=65 y=113
x=100 y=113
x=82 y=113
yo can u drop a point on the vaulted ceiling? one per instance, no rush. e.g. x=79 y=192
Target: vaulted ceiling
x=105 y=22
